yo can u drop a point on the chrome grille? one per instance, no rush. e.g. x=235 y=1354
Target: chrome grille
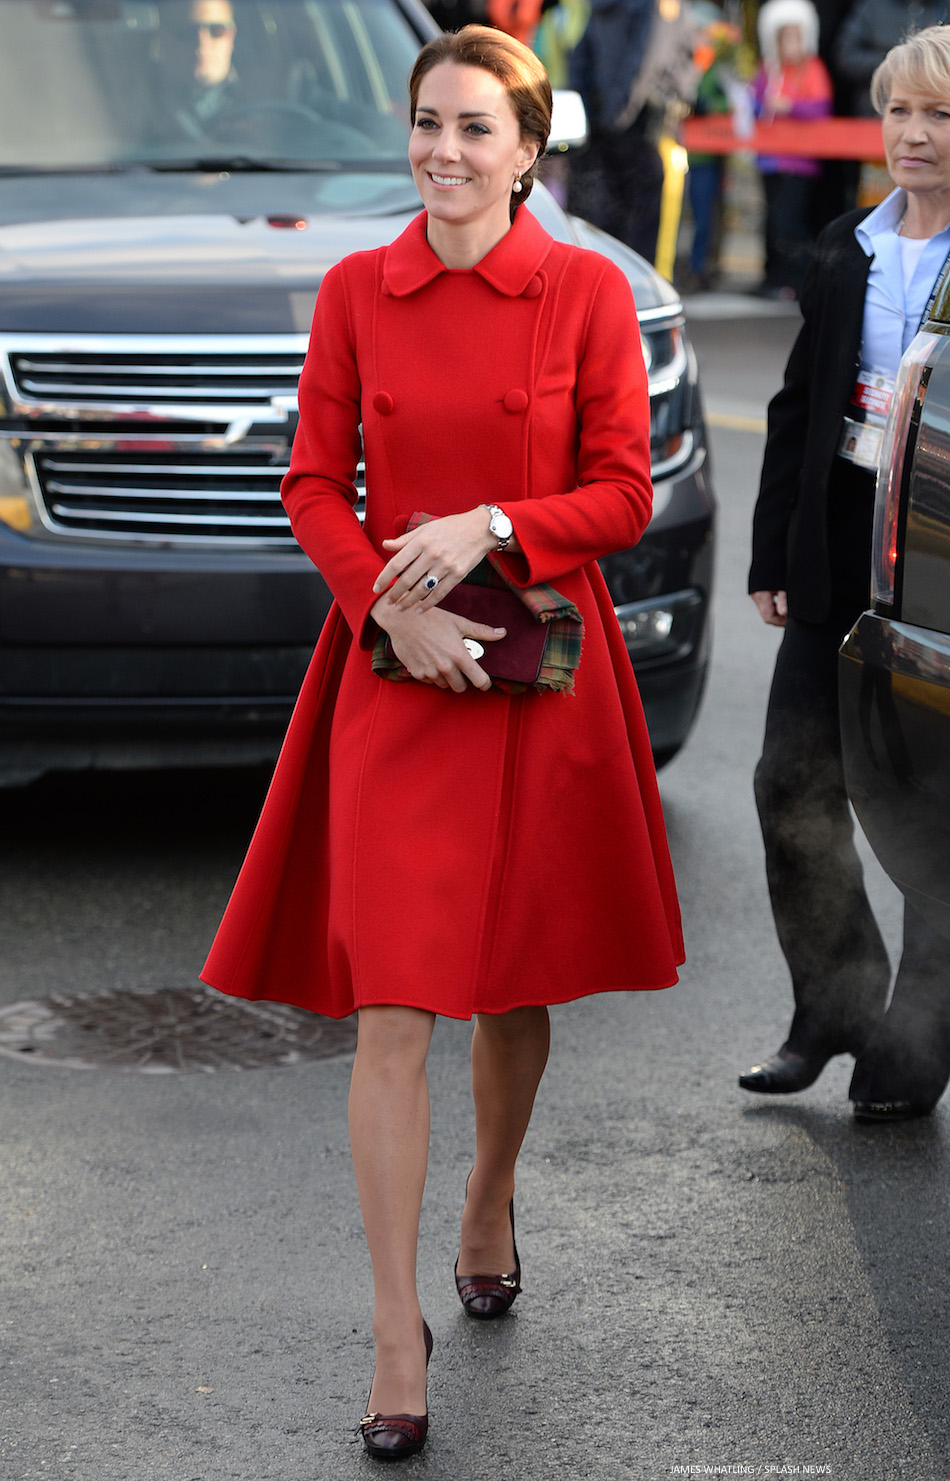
x=155 y=438
x=186 y=495
x=219 y=379
x=170 y=496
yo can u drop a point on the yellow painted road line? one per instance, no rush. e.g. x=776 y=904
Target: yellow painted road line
x=735 y=423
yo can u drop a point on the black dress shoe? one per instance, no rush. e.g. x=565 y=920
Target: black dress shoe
x=487 y=1296
x=888 y=1110
x=397 y=1436
x=784 y=1073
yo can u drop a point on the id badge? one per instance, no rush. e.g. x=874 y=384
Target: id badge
x=862 y=433
x=860 y=443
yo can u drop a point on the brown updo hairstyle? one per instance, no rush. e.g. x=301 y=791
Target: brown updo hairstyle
x=516 y=68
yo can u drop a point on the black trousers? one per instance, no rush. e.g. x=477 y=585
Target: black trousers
x=826 y=928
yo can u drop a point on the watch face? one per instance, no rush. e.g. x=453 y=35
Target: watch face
x=501 y=526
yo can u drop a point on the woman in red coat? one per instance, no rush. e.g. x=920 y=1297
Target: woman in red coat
x=442 y=844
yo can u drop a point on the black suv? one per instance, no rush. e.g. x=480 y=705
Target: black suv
x=162 y=240
x=895 y=665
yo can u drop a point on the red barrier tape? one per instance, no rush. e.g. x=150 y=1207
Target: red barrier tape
x=813 y=138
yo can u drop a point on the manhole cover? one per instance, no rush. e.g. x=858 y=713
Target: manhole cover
x=171 y=1031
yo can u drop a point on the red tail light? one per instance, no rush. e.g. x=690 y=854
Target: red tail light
x=890 y=475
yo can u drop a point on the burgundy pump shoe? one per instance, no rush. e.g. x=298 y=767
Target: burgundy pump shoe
x=396 y=1436
x=488 y=1296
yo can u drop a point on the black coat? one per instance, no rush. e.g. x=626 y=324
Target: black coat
x=790 y=527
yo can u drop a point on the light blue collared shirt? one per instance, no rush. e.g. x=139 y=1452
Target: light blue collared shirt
x=891 y=313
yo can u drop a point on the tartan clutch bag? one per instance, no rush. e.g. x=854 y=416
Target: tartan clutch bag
x=542 y=645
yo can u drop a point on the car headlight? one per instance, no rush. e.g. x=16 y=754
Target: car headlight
x=663 y=627
x=672 y=376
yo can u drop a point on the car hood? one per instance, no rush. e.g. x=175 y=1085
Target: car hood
x=184 y=254
x=223 y=253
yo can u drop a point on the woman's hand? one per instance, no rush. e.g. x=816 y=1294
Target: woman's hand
x=444 y=550
x=773 y=607
x=428 y=642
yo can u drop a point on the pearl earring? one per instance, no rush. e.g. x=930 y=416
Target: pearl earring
x=517 y=185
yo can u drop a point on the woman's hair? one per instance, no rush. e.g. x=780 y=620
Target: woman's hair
x=921 y=64
x=516 y=68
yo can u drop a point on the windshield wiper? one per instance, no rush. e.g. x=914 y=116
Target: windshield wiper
x=205 y=165
x=98 y=169
x=251 y=163
x=214 y=164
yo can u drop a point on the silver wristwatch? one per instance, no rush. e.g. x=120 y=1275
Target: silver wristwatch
x=500 y=526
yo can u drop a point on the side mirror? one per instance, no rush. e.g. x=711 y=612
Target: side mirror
x=568 y=122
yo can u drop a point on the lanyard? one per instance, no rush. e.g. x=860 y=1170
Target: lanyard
x=939 y=284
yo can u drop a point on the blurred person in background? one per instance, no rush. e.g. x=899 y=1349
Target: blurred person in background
x=866 y=35
x=559 y=30
x=836 y=189
x=452 y=15
x=517 y=18
x=633 y=64
x=716 y=45
x=793 y=82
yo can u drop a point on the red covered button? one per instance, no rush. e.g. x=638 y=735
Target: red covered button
x=516 y=401
x=534 y=288
x=383 y=403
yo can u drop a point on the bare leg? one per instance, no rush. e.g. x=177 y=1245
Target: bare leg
x=509 y=1052
x=389 y=1136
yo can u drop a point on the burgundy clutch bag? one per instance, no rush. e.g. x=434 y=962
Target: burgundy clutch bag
x=518 y=655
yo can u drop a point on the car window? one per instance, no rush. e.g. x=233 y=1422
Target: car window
x=100 y=84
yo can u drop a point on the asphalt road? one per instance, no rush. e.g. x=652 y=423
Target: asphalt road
x=710 y=1280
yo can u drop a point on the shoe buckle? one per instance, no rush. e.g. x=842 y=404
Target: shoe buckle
x=508 y=1281
x=368 y=1419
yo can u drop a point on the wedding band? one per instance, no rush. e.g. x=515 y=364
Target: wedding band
x=473 y=647
x=430 y=582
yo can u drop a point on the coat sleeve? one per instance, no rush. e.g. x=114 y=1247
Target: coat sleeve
x=781 y=466
x=319 y=490
x=610 y=506
x=778 y=484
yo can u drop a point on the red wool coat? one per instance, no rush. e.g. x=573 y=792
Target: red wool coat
x=475 y=852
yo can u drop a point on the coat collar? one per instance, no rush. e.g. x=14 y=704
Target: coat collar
x=410 y=262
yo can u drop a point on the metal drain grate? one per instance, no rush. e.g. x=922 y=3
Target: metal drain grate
x=169 y=1031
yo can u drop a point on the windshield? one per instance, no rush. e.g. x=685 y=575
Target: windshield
x=203 y=84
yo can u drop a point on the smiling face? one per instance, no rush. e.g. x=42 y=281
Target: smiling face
x=466 y=151
x=916 y=130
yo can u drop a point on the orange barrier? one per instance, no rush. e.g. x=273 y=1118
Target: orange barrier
x=813 y=138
